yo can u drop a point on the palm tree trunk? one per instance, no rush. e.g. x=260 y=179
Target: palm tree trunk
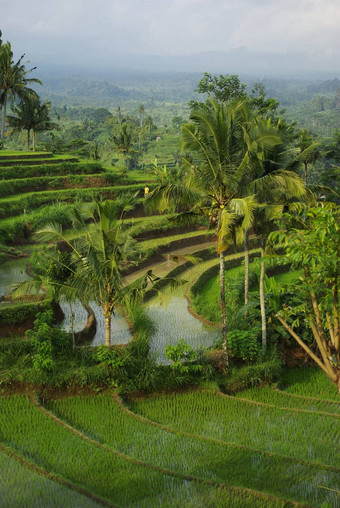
x=262 y=301
x=246 y=269
x=224 y=319
x=33 y=140
x=107 y=330
x=28 y=139
x=306 y=174
x=4 y=116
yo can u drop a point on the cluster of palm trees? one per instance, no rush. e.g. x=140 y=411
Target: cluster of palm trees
x=239 y=168
x=15 y=85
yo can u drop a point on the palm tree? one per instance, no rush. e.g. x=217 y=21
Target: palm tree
x=123 y=142
x=310 y=150
x=272 y=176
x=171 y=191
x=141 y=113
x=98 y=255
x=13 y=80
x=33 y=116
x=274 y=181
x=223 y=139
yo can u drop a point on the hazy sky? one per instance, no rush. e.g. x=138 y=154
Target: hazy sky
x=78 y=29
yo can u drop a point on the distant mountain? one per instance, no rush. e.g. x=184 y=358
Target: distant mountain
x=233 y=61
x=85 y=87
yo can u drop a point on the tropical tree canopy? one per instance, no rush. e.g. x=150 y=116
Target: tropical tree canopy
x=311 y=239
x=98 y=256
x=31 y=115
x=14 y=82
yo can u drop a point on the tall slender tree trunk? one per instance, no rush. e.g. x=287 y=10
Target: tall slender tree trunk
x=107 y=330
x=28 y=139
x=262 y=300
x=224 y=318
x=246 y=269
x=306 y=174
x=33 y=140
x=4 y=116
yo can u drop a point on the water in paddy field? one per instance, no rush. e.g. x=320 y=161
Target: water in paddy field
x=120 y=333
x=173 y=322
x=12 y=272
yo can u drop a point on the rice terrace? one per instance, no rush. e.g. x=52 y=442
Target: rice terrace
x=169 y=291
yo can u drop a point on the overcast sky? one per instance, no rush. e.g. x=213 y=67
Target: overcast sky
x=75 y=30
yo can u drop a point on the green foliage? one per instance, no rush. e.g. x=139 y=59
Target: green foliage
x=14 y=82
x=47 y=341
x=221 y=88
x=18 y=313
x=31 y=115
x=182 y=355
x=59 y=271
x=205 y=291
x=252 y=375
x=244 y=344
x=41 y=341
x=312 y=243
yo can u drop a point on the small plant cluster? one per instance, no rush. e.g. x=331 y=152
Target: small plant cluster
x=244 y=344
x=47 y=341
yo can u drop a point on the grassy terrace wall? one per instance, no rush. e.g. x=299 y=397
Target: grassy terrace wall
x=32 y=161
x=214 y=270
x=8 y=155
x=16 y=205
x=60 y=168
x=46 y=183
x=17 y=318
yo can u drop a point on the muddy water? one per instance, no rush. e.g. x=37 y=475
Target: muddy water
x=173 y=322
x=76 y=318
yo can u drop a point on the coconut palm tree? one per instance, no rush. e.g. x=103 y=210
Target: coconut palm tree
x=123 y=141
x=311 y=150
x=13 y=80
x=98 y=256
x=141 y=113
x=31 y=115
x=274 y=181
x=272 y=173
x=224 y=143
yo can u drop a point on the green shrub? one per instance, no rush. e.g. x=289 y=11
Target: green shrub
x=244 y=344
x=252 y=375
x=40 y=338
